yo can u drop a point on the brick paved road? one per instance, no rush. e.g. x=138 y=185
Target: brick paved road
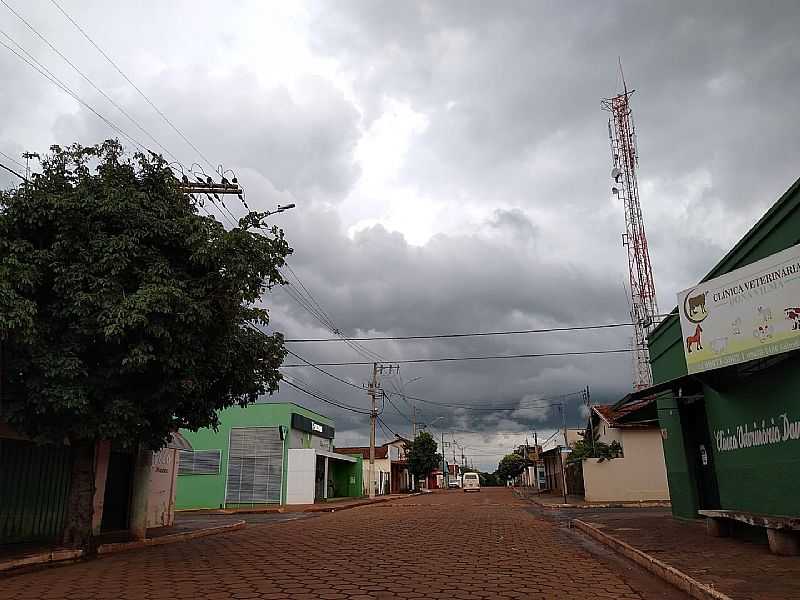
x=442 y=545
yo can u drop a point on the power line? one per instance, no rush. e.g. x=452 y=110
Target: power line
x=469 y=358
x=13 y=160
x=12 y=171
x=141 y=93
x=463 y=335
x=88 y=79
x=47 y=74
x=336 y=403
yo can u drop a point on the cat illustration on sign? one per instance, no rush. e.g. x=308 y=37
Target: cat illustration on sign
x=695 y=339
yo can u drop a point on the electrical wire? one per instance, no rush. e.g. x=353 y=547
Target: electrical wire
x=87 y=79
x=464 y=335
x=470 y=358
x=47 y=74
x=12 y=171
x=336 y=403
x=141 y=93
x=13 y=160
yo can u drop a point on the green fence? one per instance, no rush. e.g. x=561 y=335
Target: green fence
x=34 y=483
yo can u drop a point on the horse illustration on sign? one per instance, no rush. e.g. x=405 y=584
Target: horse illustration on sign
x=695 y=339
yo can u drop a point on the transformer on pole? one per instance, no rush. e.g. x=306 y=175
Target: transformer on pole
x=625 y=159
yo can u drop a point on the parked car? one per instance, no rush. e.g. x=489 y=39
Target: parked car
x=454 y=483
x=471 y=482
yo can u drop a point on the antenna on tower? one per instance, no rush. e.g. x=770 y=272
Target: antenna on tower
x=625 y=159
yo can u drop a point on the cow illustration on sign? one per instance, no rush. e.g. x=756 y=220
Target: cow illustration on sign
x=695 y=339
x=697 y=306
x=793 y=314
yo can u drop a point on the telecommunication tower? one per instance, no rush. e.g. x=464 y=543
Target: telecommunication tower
x=625 y=159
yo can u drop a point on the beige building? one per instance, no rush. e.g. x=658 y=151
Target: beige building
x=640 y=474
x=391 y=471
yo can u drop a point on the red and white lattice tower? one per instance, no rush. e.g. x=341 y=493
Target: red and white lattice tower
x=644 y=308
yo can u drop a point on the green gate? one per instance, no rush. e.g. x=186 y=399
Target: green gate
x=34 y=483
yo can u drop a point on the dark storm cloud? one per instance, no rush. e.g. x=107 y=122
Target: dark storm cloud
x=514 y=144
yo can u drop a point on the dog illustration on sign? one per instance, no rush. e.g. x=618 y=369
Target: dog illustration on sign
x=695 y=339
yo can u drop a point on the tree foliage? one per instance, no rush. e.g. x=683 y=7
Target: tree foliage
x=421 y=455
x=510 y=466
x=124 y=312
x=590 y=446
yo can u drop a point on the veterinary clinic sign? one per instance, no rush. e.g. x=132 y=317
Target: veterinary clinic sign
x=746 y=314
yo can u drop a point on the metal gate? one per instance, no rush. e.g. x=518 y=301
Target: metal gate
x=34 y=484
x=255 y=466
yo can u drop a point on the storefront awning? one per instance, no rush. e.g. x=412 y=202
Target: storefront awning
x=335 y=456
x=658 y=389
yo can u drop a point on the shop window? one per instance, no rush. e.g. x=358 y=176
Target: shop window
x=199 y=462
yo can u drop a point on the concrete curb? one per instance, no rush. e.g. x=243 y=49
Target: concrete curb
x=661 y=569
x=41 y=558
x=332 y=507
x=555 y=506
x=168 y=539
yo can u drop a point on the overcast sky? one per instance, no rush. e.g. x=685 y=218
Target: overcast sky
x=450 y=165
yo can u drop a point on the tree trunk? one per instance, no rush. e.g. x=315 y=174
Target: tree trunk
x=80 y=501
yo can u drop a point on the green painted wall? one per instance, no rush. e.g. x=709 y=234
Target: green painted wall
x=766 y=478
x=666 y=351
x=680 y=478
x=758 y=480
x=208 y=491
x=347 y=478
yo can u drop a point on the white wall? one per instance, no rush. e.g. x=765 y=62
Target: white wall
x=640 y=476
x=300 y=471
x=382 y=465
x=161 y=490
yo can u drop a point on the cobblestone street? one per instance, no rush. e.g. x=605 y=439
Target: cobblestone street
x=441 y=545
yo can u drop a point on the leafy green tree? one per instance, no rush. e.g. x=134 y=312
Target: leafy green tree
x=124 y=313
x=510 y=466
x=421 y=455
x=488 y=479
x=590 y=446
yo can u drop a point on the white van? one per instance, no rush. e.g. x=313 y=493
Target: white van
x=471 y=482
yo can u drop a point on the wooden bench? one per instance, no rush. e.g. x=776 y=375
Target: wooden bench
x=782 y=532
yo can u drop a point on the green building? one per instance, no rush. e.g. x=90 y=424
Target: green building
x=726 y=372
x=265 y=454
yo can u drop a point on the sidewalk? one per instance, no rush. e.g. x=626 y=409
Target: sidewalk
x=328 y=506
x=18 y=556
x=555 y=501
x=737 y=568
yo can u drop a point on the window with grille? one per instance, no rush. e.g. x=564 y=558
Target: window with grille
x=199 y=462
x=255 y=463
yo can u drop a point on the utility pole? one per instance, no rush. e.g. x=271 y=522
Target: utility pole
x=445 y=478
x=536 y=466
x=373 y=418
x=28 y=156
x=527 y=478
x=566 y=446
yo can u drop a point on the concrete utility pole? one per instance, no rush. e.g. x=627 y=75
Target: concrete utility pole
x=373 y=416
x=444 y=465
x=566 y=446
